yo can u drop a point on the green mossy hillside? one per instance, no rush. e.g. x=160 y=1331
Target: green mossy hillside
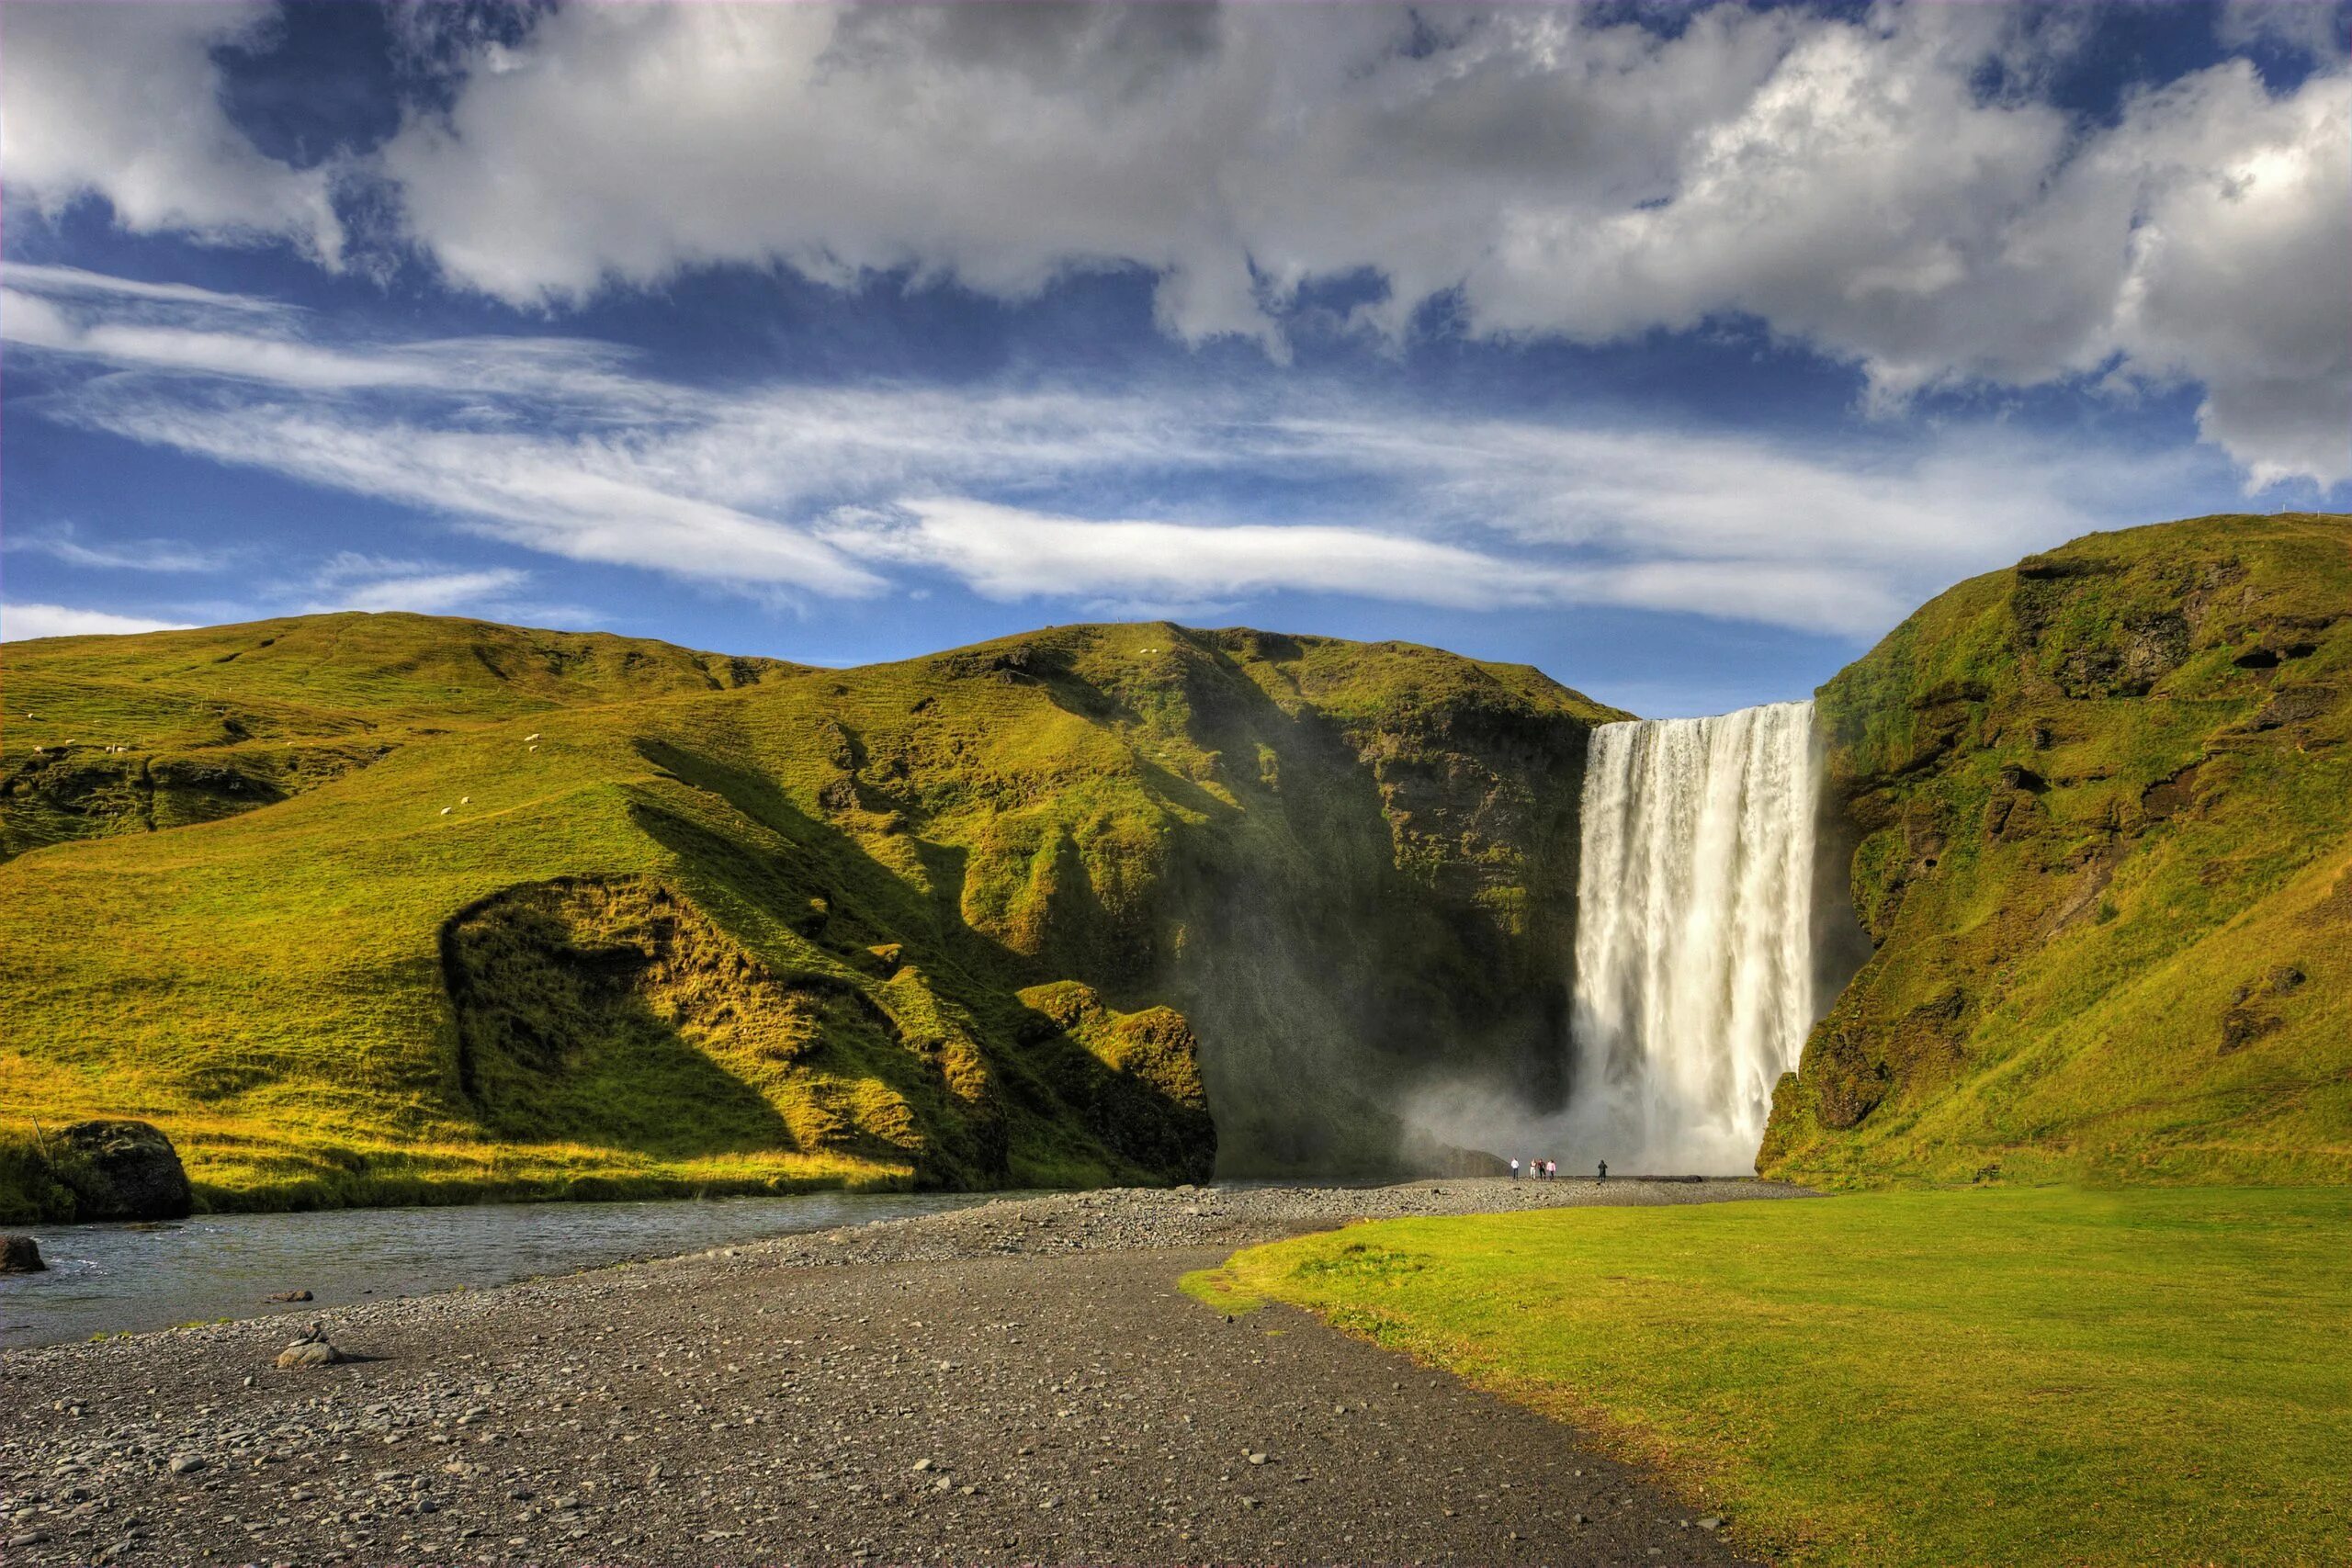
x=113 y=735
x=2100 y=813
x=582 y=914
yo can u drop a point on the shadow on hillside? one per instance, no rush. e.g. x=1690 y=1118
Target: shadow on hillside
x=816 y=880
x=557 y=1042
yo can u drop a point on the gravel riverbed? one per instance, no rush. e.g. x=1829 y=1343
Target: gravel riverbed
x=1016 y=1382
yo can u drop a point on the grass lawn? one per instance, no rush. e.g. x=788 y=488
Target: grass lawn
x=2002 y=1376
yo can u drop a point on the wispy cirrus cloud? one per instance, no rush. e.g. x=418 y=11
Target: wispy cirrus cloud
x=23 y=622
x=67 y=544
x=1060 y=492
x=350 y=581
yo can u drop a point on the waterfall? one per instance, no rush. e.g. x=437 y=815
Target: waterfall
x=1695 y=963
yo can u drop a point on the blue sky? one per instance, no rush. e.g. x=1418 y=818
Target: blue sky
x=1679 y=352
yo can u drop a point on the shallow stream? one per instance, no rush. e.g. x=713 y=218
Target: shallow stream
x=103 y=1279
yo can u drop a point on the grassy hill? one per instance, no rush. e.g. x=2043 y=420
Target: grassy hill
x=2099 y=808
x=362 y=908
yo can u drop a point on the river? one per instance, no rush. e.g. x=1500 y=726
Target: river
x=114 y=1278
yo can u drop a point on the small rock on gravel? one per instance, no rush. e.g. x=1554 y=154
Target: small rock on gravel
x=311 y=1351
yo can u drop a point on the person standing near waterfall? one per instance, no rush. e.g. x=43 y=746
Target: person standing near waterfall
x=1514 y=1168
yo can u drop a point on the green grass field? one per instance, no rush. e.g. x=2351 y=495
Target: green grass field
x=2001 y=1377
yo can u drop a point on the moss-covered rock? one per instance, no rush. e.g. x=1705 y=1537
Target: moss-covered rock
x=120 y=1169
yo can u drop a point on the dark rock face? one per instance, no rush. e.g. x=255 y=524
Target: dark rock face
x=20 y=1255
x=122 y=1170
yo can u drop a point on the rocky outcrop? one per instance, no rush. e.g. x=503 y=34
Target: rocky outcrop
x=20 y=1255
x=121 y=1170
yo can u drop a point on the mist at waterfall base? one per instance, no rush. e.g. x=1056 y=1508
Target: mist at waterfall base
x=1695 y=972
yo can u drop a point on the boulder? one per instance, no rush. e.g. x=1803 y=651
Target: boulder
x=311 y=1351
x=121 y=1170
x=20 y=1255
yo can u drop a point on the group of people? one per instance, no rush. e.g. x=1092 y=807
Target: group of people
x=1548 y=1169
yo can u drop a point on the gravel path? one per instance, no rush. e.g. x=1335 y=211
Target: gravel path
x=1017 y=1382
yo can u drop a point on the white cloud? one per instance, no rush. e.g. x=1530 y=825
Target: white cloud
x=66 y=543
x=1004 y=552
x=73 y=281
x=2245 y=204
x=350 y=581
x=1057 y=493
x=2315 y=29
x=21 y=623
x=123 y=101
x=1848 y=182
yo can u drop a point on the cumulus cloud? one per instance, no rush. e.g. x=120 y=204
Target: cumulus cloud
x=2317 y=30
x=1060 y=492
x=21 y=623
x=2236 y=275
x=1895 y=190
x=1849 y=182
x=122 y=102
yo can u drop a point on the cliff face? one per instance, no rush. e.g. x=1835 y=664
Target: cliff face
x=579 y=910
x=2098 y=810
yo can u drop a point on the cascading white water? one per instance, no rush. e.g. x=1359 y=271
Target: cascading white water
x=1694 y=935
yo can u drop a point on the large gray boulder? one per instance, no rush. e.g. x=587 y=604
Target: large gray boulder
x=20 y=1255
x=121 y=1170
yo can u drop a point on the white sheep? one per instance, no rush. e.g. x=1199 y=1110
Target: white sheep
x=465 y=800
x=533 y=736
x=446 y=809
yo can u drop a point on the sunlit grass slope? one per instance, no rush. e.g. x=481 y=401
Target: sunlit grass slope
x=113 y=734
x=2100 y=814
x=585 y=914
x=2003 y=1377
